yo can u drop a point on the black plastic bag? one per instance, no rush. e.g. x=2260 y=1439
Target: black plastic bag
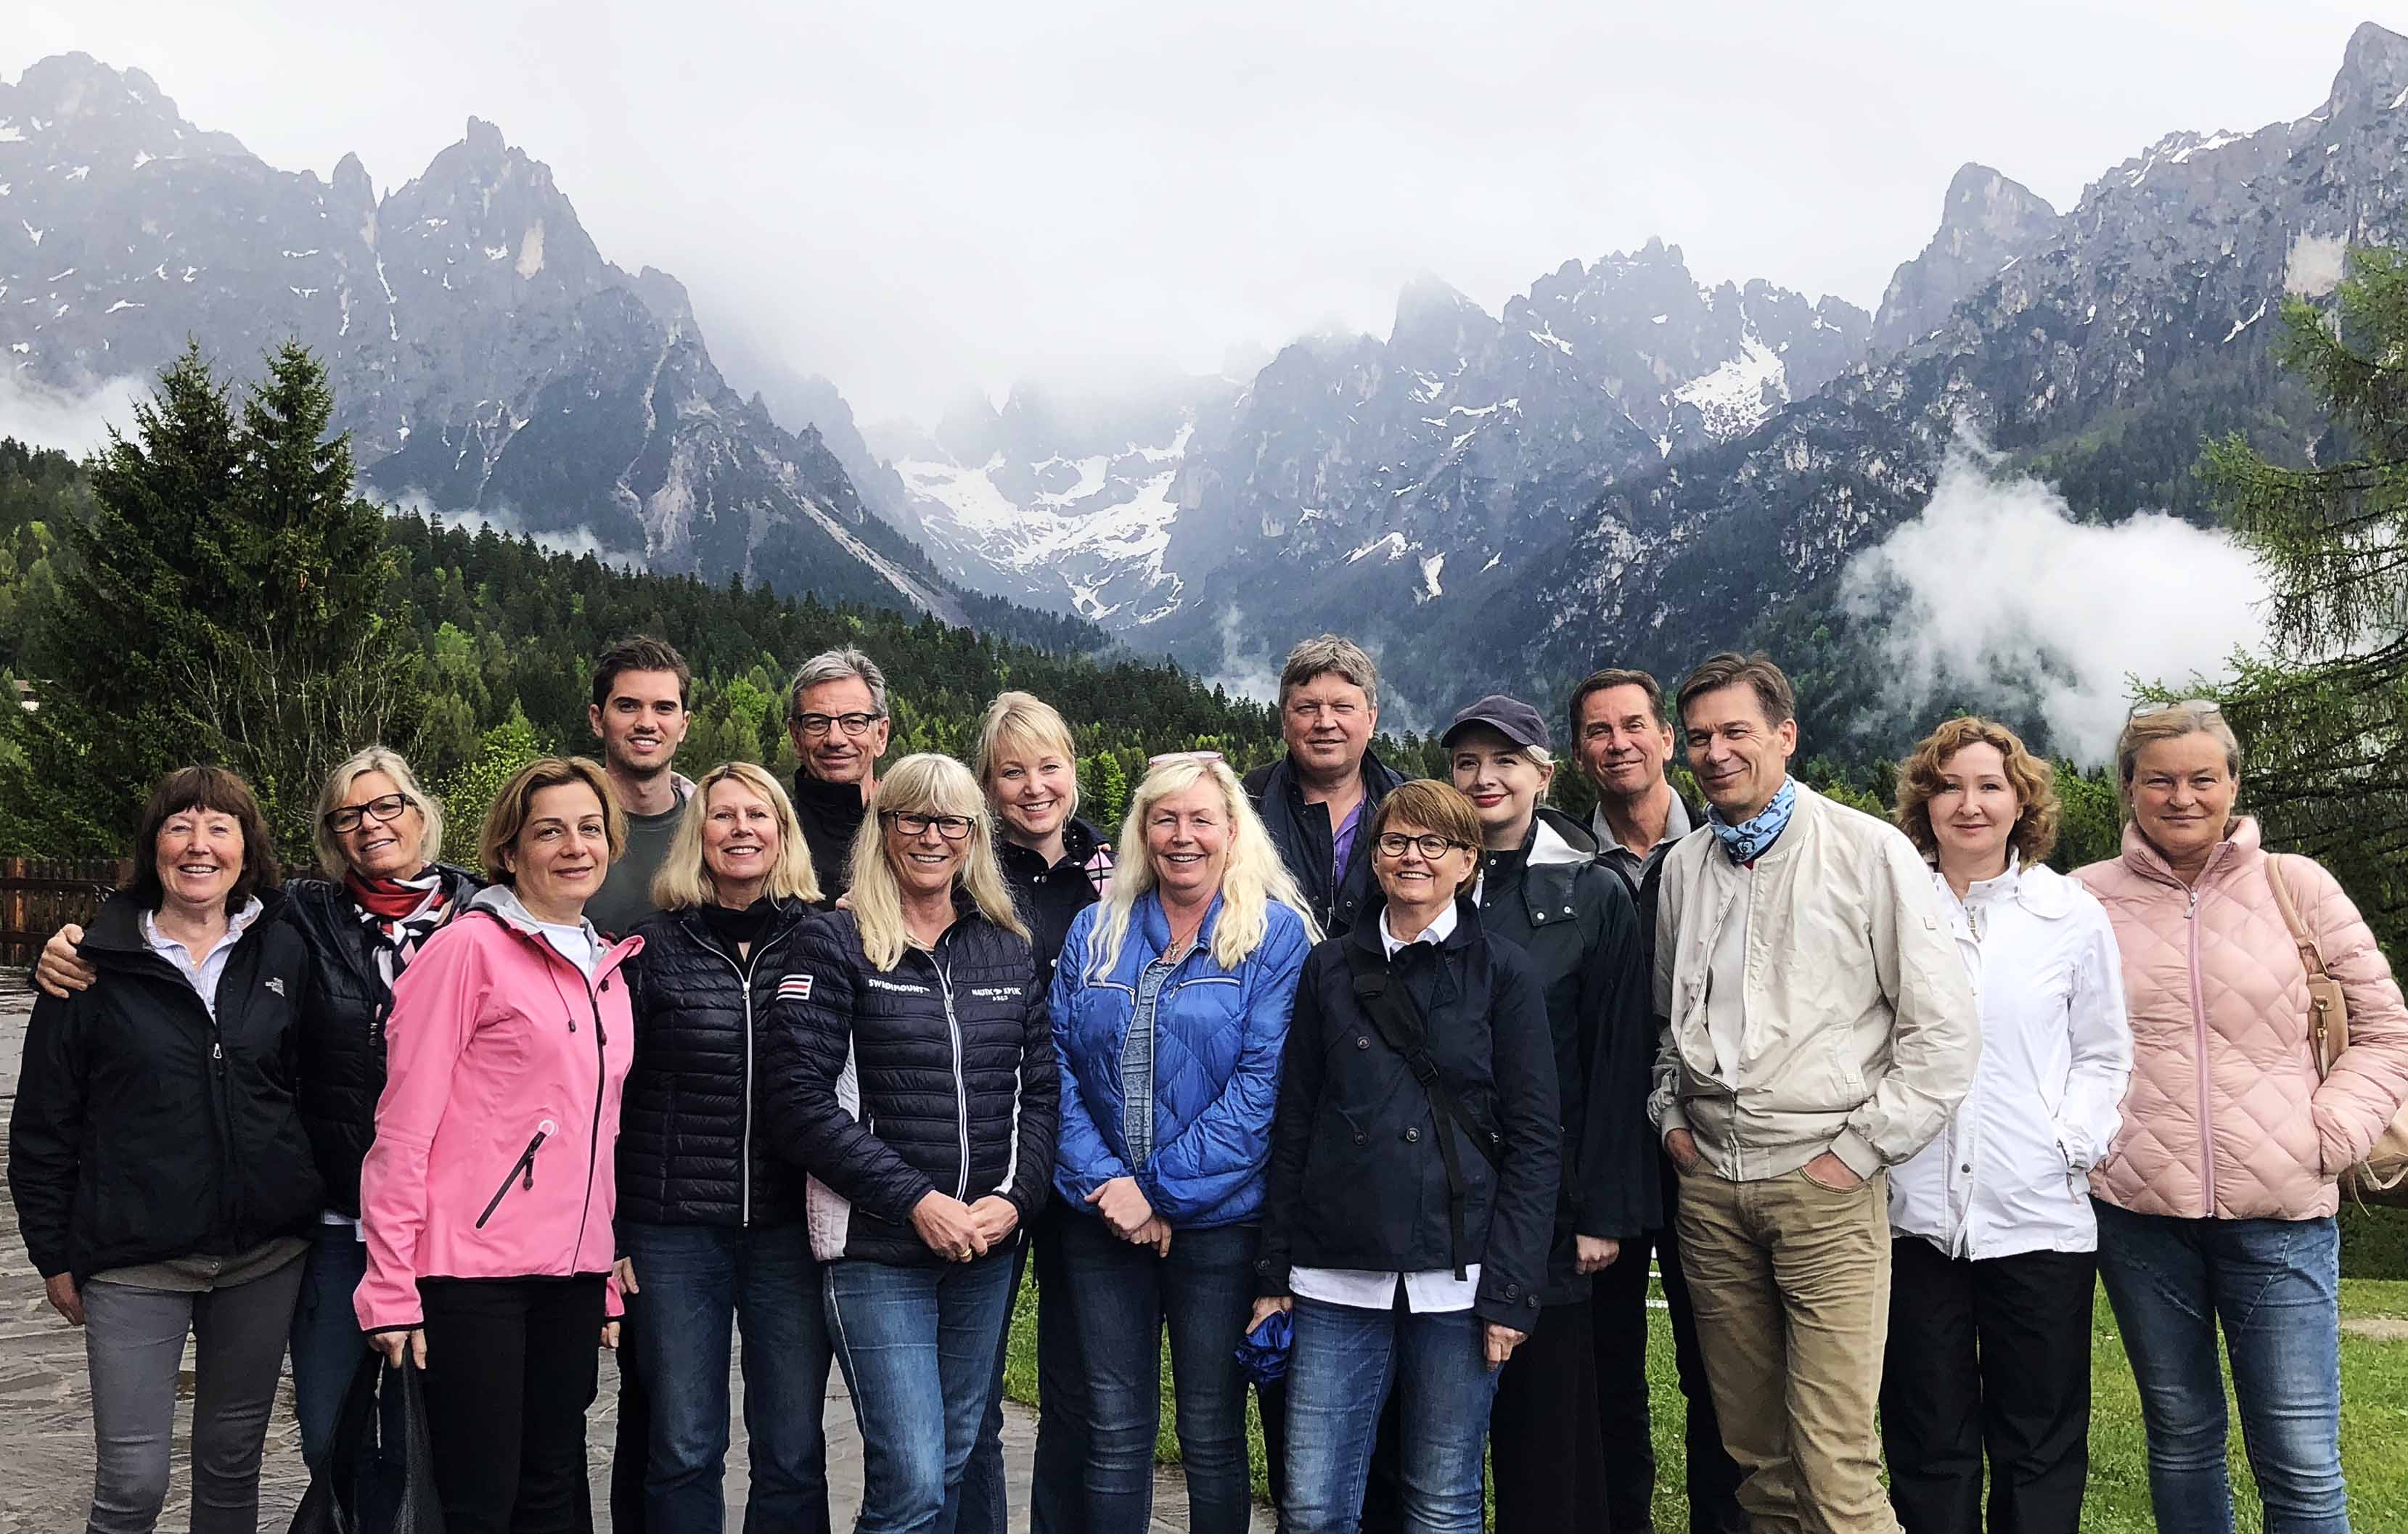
x=368 y=1485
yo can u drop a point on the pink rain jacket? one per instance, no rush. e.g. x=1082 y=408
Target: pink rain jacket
x=494 y=1135
x=2225 y=1117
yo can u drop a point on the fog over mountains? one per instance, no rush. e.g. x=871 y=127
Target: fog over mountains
x=1626 y=461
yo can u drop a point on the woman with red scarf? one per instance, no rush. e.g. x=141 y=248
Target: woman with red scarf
x=377 y=836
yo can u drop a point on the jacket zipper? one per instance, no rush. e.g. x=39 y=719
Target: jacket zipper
x=522 y=1167
x=2198 y=1035
x=744 y=983
x=961 y=1085
x=594 y=1130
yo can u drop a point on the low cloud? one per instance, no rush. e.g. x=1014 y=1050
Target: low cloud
x=1995 y=596
x=572 y=542
x=1247 y=668
x=71 y=422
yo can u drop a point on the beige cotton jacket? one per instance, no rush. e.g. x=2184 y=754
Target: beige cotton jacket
x=1860 y=1032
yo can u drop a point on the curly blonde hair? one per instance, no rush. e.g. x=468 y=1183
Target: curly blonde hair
x=2037 y=809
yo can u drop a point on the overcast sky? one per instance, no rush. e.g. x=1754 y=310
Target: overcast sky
x=915 y=198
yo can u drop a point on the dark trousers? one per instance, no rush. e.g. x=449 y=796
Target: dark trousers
x=511 y=1365
x=1618 y=1300
x=1058 y=1497
x=631 y=1448
x=1546 y=1456
x=1989 y=1358
x=981 y=1503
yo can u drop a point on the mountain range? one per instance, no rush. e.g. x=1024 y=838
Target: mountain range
x=1625 y=462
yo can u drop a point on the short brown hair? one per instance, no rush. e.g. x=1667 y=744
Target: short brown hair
x=221 y=792
x=1612 y=677
x=2037 y=809
x=1325 y=655
x=1434 y=806
x=641 y=652
x=508 y=815
x=1730 y=669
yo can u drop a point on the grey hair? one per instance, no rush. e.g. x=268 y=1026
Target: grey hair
x=1324 y=653
x=838 y=665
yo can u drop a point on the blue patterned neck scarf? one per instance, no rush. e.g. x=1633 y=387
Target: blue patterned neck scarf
x=1751 y=839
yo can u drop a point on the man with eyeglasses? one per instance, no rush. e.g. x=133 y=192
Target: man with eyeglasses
x=836 y=715
x=639 y=713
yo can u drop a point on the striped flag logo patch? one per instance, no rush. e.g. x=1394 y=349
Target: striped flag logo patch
x=795 y=988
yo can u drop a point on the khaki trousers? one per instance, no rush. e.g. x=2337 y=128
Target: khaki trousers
x=1791 y=1284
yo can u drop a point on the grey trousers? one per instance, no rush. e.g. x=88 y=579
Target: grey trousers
x=133 y=1345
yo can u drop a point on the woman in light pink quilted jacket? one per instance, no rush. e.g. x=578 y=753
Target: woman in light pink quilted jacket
x=2215 y=1204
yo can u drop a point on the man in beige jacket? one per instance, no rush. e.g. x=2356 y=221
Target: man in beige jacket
x=1818 y=1028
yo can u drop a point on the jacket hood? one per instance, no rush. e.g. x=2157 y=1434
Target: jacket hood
x=1555 y=837
x=502 y=903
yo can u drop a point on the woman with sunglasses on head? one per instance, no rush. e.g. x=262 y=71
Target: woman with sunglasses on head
x=910 y=1071
x=378 y=836
x=2215 y=1202
x=1170 y=1010
x=1415 y=1161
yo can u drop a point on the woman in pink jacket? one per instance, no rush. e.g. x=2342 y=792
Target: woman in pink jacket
x=486 y=1200
x=2215 y=1204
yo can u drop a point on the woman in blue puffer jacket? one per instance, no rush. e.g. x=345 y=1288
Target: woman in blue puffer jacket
x=1170 y=1008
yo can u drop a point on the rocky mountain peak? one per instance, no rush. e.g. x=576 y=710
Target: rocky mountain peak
x=1437 y=325
x=1988 y=221
x=2374 y=72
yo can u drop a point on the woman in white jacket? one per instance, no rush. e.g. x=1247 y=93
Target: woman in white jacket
x=1995 y=1248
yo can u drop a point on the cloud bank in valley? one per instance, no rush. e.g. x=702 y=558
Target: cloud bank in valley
x=1995 y=595
x=76 y=424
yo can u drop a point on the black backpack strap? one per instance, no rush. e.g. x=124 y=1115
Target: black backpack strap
x=1401 y=1027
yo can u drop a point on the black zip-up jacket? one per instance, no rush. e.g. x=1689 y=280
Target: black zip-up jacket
x=1051 y=894
x=936 y=1075
x=1576 y=922
x=1357 y=1178
x=691 y=1148
x=1306 y=839
x=830 y=815
x=143 y=1131
x=342 y=1025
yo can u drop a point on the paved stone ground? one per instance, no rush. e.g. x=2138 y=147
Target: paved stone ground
x=45 y=1426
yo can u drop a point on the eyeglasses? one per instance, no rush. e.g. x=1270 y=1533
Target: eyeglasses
x=2204 y=707
x=815 y=726
x=1433 y=846
x=911 y=824
x=1200 y=757
x=384 y=808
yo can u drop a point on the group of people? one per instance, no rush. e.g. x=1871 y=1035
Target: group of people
x=1375 y=1095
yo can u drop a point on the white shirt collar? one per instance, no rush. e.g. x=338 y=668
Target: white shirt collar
x=1438 y=931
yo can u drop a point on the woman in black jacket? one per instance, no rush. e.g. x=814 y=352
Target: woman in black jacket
x=710 y=1218
x=162 y=1177
x=1056 y=866
x=1413 y=1171
x=1543 y=889
x=911 y=1075
x=379 y=836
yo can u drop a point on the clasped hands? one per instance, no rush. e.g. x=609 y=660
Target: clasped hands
x=959 y=1232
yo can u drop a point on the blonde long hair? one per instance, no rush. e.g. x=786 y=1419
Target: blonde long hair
x=684 y=879
x=1253 y=878
x=924 y=783
x=338 y=787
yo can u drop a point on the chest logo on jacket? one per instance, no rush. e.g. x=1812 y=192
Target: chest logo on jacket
x=795 y=988
x=899 y=987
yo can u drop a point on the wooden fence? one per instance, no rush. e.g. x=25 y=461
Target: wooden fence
x=38 y=895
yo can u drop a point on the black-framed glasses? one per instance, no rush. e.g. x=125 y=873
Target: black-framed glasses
x=384 y=808
x=815 y=726
x=913 y=823
x=1431 y=845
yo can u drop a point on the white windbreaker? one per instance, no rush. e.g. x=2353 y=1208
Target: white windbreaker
x=2010 y=1172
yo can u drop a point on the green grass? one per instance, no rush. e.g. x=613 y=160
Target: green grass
x=2374 y=1420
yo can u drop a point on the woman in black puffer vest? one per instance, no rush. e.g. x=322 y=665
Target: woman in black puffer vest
x=912 y=1074
x=709 y=1218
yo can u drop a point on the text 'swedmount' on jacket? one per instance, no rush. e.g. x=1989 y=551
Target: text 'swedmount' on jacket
x=886 y=1085
x=1862 y=1032
x=1358 y=1178
x=497 y=1133
x=143 y=1131
x=1218 y=1037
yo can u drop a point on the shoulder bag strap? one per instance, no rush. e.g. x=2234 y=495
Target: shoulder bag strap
x=2327 y=1006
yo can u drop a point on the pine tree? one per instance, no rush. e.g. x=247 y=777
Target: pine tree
x=2325 y=718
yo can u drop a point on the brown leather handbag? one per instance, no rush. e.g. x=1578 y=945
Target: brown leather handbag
x=2382 y=1178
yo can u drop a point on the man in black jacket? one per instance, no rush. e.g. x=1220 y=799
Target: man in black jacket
x=1328 y=784
x=836 y=715
x=1624 y=740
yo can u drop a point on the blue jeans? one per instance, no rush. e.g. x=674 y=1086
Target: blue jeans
x=327 y=1344
x=917 y=1346
x=1337 y=1376
x=698 y=1284
x=982 y=1504
x=1122 y=1297
x=2275 y=1286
